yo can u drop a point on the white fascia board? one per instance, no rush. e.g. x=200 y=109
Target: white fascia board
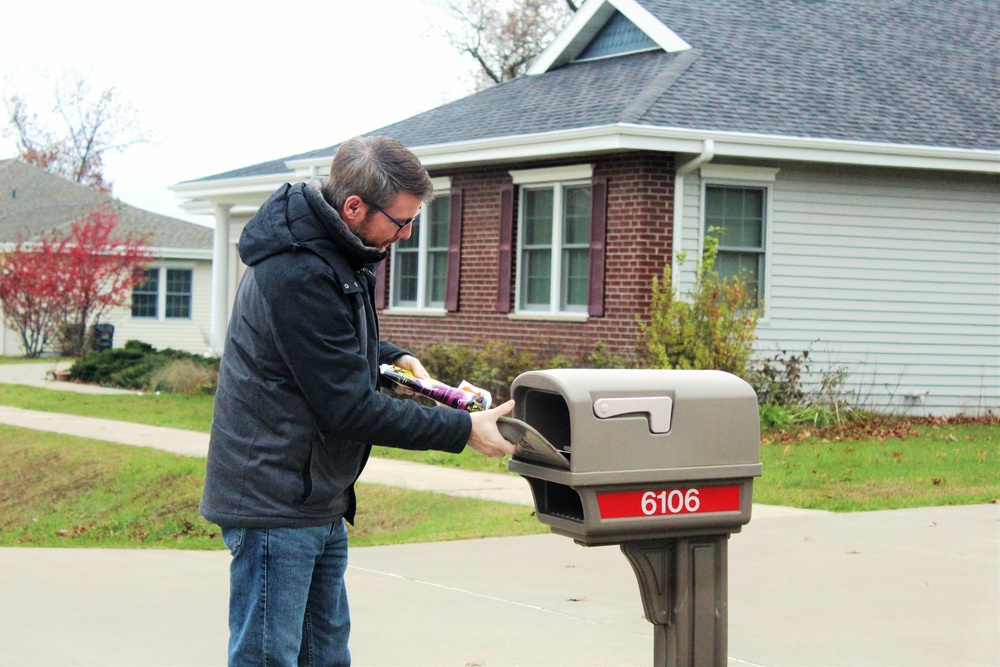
x=249 y=193
x=207 y=207
x=588 y=21
x=680 y=140
x=241 y=193
x=221 y=187
x=181 y=253
x=313 y=167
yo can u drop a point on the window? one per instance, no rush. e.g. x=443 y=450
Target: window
x=420 y=263
x=554 y=248
x=556 y=270
x=737 y=215
x=144 y=296
x=173 y=301
x=178 y=298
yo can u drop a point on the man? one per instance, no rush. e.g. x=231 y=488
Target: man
x=298 y=406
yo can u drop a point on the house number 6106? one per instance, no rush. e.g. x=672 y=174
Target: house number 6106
x=670 y=502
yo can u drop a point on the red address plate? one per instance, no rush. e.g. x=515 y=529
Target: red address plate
x=668 y=502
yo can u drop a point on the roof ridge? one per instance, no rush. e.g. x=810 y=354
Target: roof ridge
x=659 y=85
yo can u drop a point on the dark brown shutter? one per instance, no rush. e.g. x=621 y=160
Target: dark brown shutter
x=598 y=234
x=505 y=249
x=454 y=251
x=380 y=284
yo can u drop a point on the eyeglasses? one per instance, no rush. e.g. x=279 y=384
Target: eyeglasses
x=399 y=224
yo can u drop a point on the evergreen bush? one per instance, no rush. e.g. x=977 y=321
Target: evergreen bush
x=138 y=364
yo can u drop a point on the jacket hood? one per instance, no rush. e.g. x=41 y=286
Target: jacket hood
x=297 y=216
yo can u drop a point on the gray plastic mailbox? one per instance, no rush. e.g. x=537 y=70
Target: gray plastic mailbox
x=660 y=462
x=652 y=453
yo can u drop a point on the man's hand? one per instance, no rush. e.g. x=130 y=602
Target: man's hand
x=412 y=364
x=485 y=438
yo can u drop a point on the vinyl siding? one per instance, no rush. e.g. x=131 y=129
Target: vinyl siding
x=893 y=276
x=189 y=335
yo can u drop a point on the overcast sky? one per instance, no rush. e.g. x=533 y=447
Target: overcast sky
x=229 y=83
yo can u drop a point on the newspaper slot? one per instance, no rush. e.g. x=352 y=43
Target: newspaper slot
x=463 y=397
x=530 y=445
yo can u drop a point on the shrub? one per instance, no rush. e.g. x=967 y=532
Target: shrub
x=493 y=365
x=184 y=376
x=714 y=328
x=787 y=400
x=135 y=365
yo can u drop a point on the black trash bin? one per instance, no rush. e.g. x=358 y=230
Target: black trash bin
x=104 y=337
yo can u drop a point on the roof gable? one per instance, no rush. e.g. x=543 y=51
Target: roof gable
x=619 y=36
x=34 y=202
x=598 y=25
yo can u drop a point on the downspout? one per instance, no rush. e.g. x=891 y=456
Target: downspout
x=707 y=153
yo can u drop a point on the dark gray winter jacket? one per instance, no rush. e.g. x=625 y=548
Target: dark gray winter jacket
x=298 y=405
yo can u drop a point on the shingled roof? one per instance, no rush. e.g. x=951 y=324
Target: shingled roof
x=904 y=72
x=34 y=202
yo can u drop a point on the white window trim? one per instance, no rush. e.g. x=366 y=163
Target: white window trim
x=739 y=173
x=552 y=175
x=582 y=176
x=748 y=177
x=161 y=293
x=442 y=188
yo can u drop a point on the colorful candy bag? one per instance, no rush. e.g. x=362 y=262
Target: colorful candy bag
x=463 y=397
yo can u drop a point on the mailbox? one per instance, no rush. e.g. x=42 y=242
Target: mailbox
x=660 y=462
x=648 y=453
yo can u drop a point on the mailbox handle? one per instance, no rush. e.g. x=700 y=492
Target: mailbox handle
x=658 y=409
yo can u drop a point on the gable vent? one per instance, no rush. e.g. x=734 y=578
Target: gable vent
x=618 y=37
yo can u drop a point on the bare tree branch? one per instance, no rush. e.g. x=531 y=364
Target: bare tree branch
x=503 y=36
x=92 y=126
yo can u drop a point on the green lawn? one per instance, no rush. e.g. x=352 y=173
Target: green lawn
x=63 y=491
x=871 y=465
x=936 y=464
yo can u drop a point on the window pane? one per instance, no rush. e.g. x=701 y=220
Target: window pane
x=537 y=278
x=414 y=240
x=575 y=283
x=178 y=293
x=438 y=216
x=437 y=278
x=538 y=217
x=404 y=274
x=577 y=218
x=746 y=265
x=144 y=300
x=738 y=213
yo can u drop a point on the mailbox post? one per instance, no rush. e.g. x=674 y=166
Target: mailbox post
x=661 y=463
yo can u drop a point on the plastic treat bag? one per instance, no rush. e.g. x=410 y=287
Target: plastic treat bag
x=463 y=397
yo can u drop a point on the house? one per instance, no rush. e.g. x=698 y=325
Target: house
x=848 y=150
x=172 y=309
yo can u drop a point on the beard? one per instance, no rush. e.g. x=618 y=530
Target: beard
x=368 y=231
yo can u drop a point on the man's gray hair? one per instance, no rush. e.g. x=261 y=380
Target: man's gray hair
x=376 y=169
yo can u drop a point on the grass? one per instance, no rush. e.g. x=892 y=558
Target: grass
x=58 y=490
x=934 y=464
x=63 y=491
x=193 y=413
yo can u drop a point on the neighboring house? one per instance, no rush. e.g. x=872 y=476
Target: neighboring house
x=172 y=309
x=849 y=150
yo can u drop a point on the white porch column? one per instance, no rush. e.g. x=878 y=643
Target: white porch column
x=220 y=278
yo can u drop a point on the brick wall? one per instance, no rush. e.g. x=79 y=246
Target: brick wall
x=639 y=235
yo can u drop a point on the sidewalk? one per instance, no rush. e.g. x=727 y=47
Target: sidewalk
x=881 y=589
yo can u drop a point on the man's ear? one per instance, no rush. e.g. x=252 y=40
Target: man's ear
x=354 y=210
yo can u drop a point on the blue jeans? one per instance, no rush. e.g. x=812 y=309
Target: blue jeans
x=287 y=599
